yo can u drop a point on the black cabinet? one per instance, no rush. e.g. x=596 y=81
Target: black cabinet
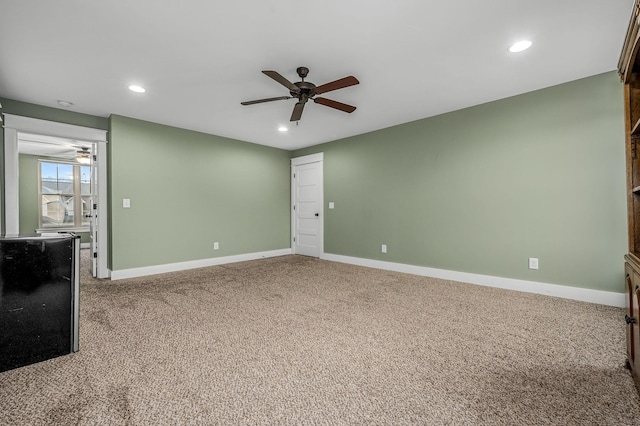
x=39 y=291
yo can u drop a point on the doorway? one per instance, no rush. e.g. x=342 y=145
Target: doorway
x=307 y=214
x=66 y=144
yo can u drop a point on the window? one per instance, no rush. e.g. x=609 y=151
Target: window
x=64 y=189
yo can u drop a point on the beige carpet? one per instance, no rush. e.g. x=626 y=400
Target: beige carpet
x=295 y=340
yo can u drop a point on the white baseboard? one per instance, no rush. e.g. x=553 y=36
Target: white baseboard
x=181 y=266
x=565 y=292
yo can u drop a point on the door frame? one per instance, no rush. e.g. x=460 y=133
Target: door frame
x=299 y=161
x=14 y=124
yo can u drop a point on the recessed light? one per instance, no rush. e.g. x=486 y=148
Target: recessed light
x=65 y=104
x=137 y=89
x=282 y=129
x=520 y=46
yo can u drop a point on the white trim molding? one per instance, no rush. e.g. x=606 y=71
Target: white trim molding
x=14 y=124
x=566 y=292
x=53 y=128
x=203 y=263
x=306 y=159
x=11 y=201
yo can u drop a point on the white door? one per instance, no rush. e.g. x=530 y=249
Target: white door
x=307 y=213
x=93 y=220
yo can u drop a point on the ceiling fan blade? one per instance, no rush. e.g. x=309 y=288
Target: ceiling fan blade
x=296 y=115
x=335 y=104
x=259 y=101
x=338 y=84
x=280 y=79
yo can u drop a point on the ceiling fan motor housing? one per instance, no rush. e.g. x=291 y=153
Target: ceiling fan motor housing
x=304 y=88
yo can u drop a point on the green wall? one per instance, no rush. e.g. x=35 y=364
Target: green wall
x=478 y=190
x=59 y=115
x=28 y=192
x=482 y=189
x=188 y=190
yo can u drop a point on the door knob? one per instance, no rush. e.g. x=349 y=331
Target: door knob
x=317 y=214
x=630 y=320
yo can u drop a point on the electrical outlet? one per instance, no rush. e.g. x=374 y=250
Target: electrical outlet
x=533 y=263
x=384 y=248
x=216 y=245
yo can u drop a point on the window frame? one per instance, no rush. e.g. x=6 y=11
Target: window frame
x=77 y=197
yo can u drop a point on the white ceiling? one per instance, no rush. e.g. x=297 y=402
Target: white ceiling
x=198 y=59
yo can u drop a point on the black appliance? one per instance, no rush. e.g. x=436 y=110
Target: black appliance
x=39 y=297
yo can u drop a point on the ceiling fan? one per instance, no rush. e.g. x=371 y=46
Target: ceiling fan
x=304 y=90
x=83 y=155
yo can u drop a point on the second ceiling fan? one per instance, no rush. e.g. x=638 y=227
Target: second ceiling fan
x=304 y=90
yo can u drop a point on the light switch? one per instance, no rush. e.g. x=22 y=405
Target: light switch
x=331 y=205
x=126 y=203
